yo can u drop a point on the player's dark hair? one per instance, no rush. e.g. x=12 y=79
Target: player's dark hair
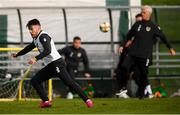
x=33 y=22
x=138 y=15
x=76 y=38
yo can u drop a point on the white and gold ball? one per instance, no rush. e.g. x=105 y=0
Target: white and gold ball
x=104 y=27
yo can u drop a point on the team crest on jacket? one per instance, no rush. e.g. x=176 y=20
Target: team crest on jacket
x=148 y=29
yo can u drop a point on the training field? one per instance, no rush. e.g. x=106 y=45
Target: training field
x=101 y=106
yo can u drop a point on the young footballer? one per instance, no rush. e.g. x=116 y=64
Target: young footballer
x=54 y=64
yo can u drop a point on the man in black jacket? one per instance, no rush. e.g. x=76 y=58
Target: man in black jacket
x=54 y=64
x=121 y=80
x=143 y=34
x=75 y=54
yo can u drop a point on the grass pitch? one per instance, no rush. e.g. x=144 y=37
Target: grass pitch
x=101 y=106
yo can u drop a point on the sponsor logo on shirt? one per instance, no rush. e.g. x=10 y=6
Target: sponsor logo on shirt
x=139 y=28
x=57 y=70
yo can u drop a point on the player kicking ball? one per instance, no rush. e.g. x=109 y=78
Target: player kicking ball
x=54 y=64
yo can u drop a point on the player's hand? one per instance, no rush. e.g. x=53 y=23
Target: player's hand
x=87 y=75
x=14 y=55
x=120 y=50
x=173 y=52
x=32 y=61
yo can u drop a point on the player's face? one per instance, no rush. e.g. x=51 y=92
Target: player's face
x=145 y=14
x=77 y=44
x=34 y=30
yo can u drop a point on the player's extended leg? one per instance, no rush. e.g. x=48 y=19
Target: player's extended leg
x=71 y=71
x=143 y=79
x=42 y=75
x=124 y=76
x=64 y=76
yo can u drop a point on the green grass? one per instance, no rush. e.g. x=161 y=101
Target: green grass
x=101 y=106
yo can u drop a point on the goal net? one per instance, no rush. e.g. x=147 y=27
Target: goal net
x=12 y=70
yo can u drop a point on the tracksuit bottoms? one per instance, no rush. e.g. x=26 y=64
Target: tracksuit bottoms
x=56 y=68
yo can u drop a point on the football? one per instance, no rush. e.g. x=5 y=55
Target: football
x=104 y=27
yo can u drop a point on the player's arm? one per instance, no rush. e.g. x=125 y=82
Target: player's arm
x=128 y=40
x=25 y=50
x=163 y=38
x=64 y=51
x=46 y=43
x=86 y=63
x=128 y=43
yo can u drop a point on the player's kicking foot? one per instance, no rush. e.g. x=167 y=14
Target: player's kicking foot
x=45 y=104
x=89 y=103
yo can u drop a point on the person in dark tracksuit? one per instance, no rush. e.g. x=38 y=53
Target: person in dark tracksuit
x=143 y=33
x=74 y=54
x=121 y=80
x=54 y=64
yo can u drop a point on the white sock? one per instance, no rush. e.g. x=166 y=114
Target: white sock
x=149 y=90
x=145 y=91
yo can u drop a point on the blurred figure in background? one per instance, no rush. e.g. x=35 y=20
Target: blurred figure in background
x=121 y=80
x=159 y=88
x=74 y=54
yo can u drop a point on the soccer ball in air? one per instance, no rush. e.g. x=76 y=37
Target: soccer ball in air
x=104 y=27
